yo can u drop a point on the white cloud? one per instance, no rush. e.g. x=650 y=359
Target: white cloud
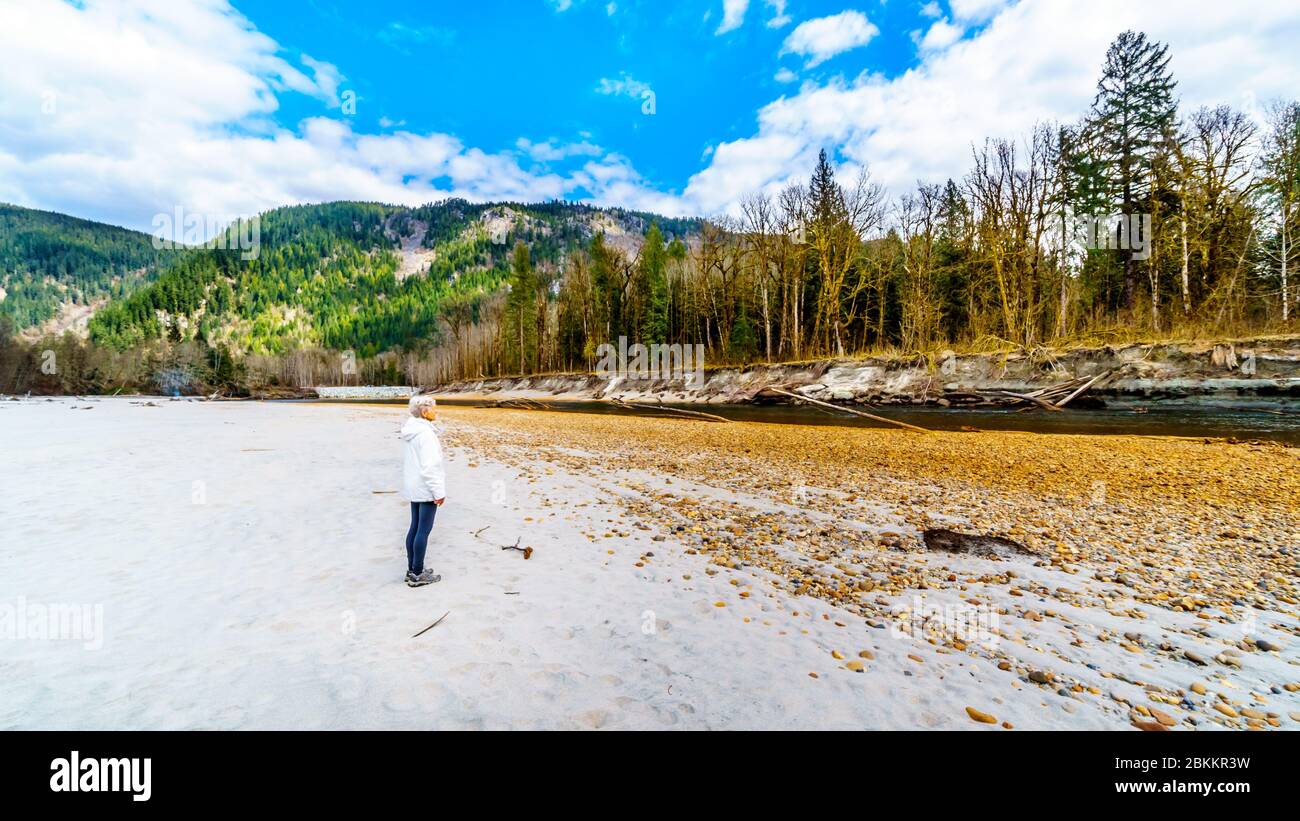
x=785 y=75
x=1037 y=60
x=779 y=18
x=134 y=108
x=733 y=15
x=820 y=39
x=975 y=11
x=940 y=35
x=553 y=151
x=931 y=10
x=623 y=85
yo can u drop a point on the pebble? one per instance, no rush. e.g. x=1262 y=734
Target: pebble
x=981 y=717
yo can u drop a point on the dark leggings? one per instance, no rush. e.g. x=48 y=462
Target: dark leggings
x=417 y=538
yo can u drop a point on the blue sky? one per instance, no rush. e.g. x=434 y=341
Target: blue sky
x=491 y=72
x=122 y=110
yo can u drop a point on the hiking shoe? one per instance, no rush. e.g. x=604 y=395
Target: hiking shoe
x=426 y=577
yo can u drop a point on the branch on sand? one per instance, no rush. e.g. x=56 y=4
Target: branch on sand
x=430 y=627
x=527 y=551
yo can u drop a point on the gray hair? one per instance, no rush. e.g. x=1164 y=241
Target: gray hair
x=419 y=403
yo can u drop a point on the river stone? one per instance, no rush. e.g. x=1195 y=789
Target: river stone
x=950 y=541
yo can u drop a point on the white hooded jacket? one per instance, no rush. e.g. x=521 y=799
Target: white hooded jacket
x=423 y=479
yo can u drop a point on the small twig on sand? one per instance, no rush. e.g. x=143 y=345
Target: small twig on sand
x=527 y=551
x=430 y=627
x=480 y=530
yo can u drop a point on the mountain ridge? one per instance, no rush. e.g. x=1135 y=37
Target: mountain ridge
x=365 y=277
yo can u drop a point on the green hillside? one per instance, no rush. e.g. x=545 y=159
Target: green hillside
x=354 y=276
x=48 y=259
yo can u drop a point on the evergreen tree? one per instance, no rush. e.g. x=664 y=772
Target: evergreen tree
x=1133 y=119
x=654 y=260
x=520 y=329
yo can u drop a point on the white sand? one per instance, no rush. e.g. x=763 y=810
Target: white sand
x=250 y=577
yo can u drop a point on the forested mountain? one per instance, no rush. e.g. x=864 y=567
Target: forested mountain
x=48 y=260
x=360 y=277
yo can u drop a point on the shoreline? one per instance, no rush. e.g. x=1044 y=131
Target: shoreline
x=1148 y=372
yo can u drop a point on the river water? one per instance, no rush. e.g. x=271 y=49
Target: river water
x=1273 y=420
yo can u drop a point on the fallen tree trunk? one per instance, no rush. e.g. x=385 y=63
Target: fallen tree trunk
x=1039 y=401
x=661 y=409
x=1082 y=388
x=853 y=411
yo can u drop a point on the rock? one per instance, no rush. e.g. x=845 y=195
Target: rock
x=1267 y=646
x=867 y=654
x=981 y=717
x=1040 y=677
x=1198 y=688
x=837 y=655
x=1225 y=709
x=1194 y=658
x=1150 y=726
x=855 y=666
x=1163 y=717
x=950 y=541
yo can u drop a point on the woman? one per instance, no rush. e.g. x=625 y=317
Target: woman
x=424 y=484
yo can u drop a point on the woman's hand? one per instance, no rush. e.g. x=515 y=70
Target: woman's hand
x=439 y=502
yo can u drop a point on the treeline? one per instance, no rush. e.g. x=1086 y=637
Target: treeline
x=70 y=365
x=993 y=259
x=47 y=259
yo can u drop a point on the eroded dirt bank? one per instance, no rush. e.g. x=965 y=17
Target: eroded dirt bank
x=1266 y=368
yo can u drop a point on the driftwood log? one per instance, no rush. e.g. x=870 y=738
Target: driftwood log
x=853 y=411
x=666 y=410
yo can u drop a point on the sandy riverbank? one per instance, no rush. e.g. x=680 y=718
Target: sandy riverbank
x=247 y=559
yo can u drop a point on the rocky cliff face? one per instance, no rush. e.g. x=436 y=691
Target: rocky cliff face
x=1254 y=368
